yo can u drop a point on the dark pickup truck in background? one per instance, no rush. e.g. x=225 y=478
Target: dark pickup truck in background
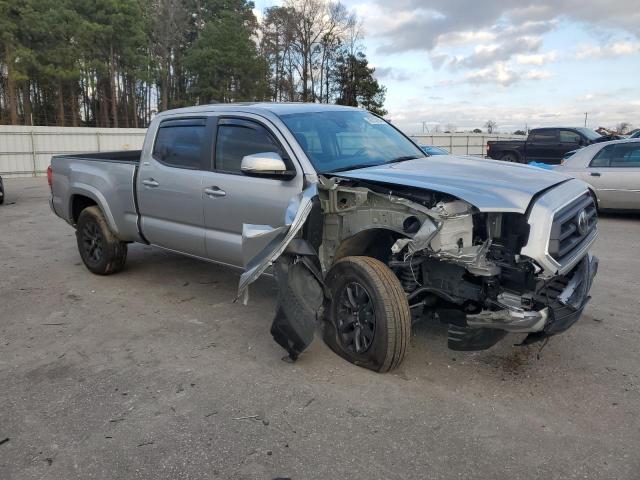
x=544 y=145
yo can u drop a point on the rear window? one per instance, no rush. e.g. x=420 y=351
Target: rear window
x=544 y=136
x=181 y=144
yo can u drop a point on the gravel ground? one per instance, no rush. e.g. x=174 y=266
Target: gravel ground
x=155 y=373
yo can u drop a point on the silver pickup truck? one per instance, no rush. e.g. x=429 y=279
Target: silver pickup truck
x=363 y=232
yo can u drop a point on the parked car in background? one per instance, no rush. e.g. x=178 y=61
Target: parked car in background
x=635 y=134
x=1 y=191
x=613 y=171
x=433 y=150
x=543 y=145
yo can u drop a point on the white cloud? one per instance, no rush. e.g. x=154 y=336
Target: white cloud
x=537 y=75
x=499 y=73
x=463 y=38
x=537 y=58
x=614 y=49
x=391 y=73
x=420 y=26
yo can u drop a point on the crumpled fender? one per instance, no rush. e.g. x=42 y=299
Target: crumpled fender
x=263 y=244
x=300 y=285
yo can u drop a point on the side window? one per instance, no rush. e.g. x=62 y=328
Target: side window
x=545 y=136
x=237 y=140
x=567 y=136
x=602 y=158
x=619 y=155
x=180 y=143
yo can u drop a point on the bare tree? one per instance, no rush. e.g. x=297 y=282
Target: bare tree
x=623 y=127
x=302 y=42
x=170 y=21
x=490 y=125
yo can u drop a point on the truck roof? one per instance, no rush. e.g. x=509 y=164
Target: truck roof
x=273 y=107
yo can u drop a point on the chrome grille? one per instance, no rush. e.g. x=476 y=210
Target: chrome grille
x=569 y=230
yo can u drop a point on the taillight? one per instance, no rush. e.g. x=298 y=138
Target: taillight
x=50 y=177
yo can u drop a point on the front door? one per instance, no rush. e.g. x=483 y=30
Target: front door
x=169 y=186
x=232 y=198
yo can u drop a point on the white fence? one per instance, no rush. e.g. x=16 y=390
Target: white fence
x=463 y=143
x=27 y=151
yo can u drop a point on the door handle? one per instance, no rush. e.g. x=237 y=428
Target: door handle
x=595 y=174
x=150 y=182
x=215 y=192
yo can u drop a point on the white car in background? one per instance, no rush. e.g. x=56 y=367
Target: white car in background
x=613 y=171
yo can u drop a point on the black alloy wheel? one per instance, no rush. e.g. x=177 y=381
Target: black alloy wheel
x=101 y=251
x=356 y=318
x=92 y=241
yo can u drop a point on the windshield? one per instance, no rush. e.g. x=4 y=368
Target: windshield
x=590 y=134
x=348 y=139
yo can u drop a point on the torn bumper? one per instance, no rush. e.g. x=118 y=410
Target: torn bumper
x=563 y=308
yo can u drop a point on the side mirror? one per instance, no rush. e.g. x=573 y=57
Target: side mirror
x=267 y=164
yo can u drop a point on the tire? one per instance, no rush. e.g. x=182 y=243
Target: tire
x=1 y=191
x=377 y=336
x=510 y=157
x=101 y=252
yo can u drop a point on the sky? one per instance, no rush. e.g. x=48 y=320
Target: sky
x=521 y=63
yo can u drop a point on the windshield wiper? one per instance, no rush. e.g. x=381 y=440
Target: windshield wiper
x=356 y=167
x=402 y=159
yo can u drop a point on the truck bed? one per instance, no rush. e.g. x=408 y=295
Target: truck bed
x=106 y=179
x=121 y=156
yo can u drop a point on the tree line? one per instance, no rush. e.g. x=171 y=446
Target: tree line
x=115 y=63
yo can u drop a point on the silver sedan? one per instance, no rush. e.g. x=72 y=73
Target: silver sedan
x=612 y=169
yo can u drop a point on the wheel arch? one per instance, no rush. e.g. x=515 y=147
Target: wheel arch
x=84 y=197
x=372 y=242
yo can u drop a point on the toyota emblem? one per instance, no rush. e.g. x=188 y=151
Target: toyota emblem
x=583 y=222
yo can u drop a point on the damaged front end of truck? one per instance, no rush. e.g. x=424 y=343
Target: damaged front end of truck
x=457 y=264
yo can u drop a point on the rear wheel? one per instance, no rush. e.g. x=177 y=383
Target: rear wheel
x=368 y=319
x=101 y=252
x=510 y=157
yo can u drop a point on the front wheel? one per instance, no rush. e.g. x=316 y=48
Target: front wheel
x=368 y=320
x=101 y=252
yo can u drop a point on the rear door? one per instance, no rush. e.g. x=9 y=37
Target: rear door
x=170 y=185
x=614 y=173
x=231 y=198
x=542 y=145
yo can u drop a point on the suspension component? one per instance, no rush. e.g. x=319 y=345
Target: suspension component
x=408 y=272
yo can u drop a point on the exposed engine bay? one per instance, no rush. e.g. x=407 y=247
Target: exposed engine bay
x=456 y=264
